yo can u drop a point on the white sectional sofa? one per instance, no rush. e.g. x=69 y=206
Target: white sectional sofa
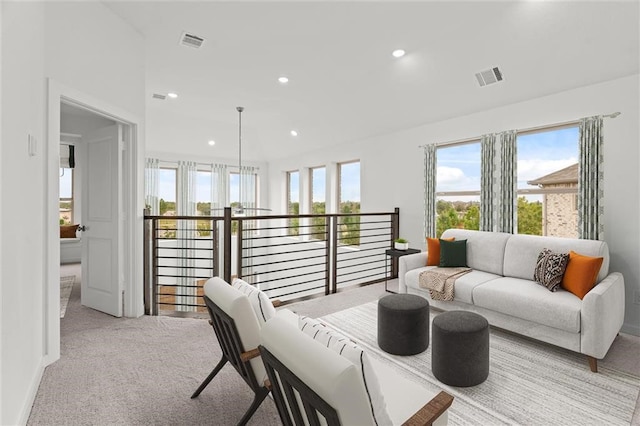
x=501 y=288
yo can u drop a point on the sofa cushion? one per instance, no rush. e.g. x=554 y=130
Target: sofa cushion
x=350 y=350
x=463 y=290
x=453 y=254
x=433 y=251
x=484 y=249
x=260 y=302
x=581 y=273
x=522 y=251
x=550 y=269
x=527 y=300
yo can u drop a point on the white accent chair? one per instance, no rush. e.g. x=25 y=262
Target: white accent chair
x=237 y=329
x=312 y=385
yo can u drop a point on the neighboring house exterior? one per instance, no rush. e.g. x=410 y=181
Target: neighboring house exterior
x=560 y=210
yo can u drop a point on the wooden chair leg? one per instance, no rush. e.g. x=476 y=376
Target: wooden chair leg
x=210 y=377
x=593 y=363
x=261 y=394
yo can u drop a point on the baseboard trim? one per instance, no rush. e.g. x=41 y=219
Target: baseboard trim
x=630 y=329
x=25 y=412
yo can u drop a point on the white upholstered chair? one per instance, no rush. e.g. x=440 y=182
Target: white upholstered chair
x=313 y=385
x=237 y=328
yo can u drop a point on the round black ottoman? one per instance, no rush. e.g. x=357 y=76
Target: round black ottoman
x=460 y=348
x=403 y=324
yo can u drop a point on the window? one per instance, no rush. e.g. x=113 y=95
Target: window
x=293 y=202
x=548 y=182
x=167 y=191
x=66 y=196
x=349 y=202
x=203 y=202
x=318 y=190
x=458 y=187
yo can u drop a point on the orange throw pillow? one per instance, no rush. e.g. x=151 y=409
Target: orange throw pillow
x=581 y=273
x=433 y=250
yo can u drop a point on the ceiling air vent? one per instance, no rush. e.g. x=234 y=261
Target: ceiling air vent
x=489 y=76
x=159 y=96
x=191 y=40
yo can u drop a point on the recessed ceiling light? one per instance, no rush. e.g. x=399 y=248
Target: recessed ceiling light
x=294 y=133
x=212 y=143
x=172 y=95
x=283 y=80
x=398 y=53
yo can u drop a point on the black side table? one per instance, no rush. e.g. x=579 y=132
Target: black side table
x=394 y=254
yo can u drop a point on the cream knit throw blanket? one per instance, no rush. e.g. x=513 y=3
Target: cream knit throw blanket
x=441 y=281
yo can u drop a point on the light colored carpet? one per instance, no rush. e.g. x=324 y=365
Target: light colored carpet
x=119 y=371
x=66 y=284
x=529 y=382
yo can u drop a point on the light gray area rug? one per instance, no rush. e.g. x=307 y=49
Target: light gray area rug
x=529 y=383
x=66 y=284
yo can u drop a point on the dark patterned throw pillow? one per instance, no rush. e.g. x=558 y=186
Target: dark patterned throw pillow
x=550 y=268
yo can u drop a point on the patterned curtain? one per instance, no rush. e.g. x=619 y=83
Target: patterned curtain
x=186 y=233
x=590 y=180
x=248 y=195
x=430 y=175
x=151 y=198
x=487 y=190
x=219 y=188
x=508 y=181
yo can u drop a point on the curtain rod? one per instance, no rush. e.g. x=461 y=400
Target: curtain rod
x=204 y=164
x=530 y=129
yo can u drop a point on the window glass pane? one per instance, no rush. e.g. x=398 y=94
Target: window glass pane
x=203 y=193
x=203 y=202
x=349 y=202
x=167 y=194
x=458 y=187
x=66 y=196
x=318 y=190
x=548 y=182
x=293 y=201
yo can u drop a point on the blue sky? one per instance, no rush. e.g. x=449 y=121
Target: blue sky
x=66 y=183
x=538 y=154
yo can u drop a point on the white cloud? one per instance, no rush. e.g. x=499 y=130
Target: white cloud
x=454 y=179
x=534 y=169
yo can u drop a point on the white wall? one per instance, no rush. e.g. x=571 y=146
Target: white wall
x=392 y=166
x=83 y=46
x=23 y=197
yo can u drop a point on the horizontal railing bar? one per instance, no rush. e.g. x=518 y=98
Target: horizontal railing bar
x=344 y=274
x=299 y=291
x=364 y=249
x=271 y=254
x=186 y=267
x=286 y=261
x=266 y=237
x=375 y=242
x=278 y=270
x=182 y=304
x=180 y=276
x=292 y=276
x=359 y=264
x=184 y=239
x=291 y=285
x=340 y=238
x=297 y=243
x=187 y=258
x=157 y=217
x=355 y=279
x=361 y=257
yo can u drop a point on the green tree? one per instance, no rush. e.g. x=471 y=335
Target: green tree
x=318 y=227
x=446 y=220
x=471 y=218
x=294 y=223
x=349 y=229
x=529 y=217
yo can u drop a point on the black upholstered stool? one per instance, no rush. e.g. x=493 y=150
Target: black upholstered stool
x=460 y=348
x=403 y=324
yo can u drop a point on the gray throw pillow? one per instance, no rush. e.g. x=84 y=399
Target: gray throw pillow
x=550 y=268
x=453 y=253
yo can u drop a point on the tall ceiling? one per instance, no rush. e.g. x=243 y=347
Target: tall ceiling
x=344 y=84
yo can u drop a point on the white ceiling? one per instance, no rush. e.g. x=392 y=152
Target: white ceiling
x=344 y=84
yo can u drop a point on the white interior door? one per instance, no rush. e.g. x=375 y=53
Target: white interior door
x=101 y=179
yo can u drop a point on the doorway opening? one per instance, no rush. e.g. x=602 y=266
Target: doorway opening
x=103 y=199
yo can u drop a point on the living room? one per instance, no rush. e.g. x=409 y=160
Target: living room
x=84 y=46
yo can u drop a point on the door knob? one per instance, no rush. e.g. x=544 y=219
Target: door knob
x=82 y=228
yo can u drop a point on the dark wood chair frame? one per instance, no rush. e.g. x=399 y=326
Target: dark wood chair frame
x=233 y=352
x=282 y=379
x=286 y=380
